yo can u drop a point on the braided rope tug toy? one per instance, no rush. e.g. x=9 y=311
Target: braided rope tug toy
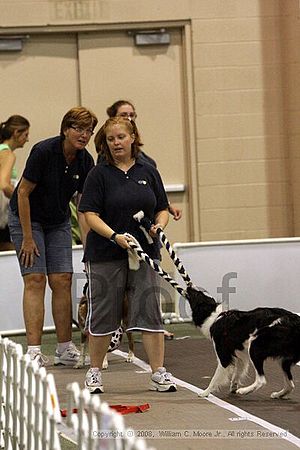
x=145 y=225
x=144 y=257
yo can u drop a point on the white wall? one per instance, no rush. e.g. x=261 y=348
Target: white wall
x=11 y=309
x=258 y=272
x=244 y=274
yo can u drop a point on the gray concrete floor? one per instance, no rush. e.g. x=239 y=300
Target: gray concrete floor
x=175 y=421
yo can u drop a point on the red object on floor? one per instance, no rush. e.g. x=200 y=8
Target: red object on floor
x=122 y=409
x=64 y=412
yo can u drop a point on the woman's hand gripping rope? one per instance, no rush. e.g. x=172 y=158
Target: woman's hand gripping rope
x=142 y=256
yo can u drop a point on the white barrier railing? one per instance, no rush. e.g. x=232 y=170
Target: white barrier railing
x=95 y=425
x=29 y=407
x=30 y=416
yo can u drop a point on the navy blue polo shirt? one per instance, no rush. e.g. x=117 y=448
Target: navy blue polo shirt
x=56 y=181
x=116 y=196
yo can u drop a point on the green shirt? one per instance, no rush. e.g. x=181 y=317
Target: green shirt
x=14 y=174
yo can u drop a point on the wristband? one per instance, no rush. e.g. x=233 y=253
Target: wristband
x=113 y=237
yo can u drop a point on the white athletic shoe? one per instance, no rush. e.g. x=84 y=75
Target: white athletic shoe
x=68 y=358
x=38 y=357
x=93 y=381
x=162 y=381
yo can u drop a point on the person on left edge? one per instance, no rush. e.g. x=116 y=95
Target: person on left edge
x=14 y=134
x=39 y=223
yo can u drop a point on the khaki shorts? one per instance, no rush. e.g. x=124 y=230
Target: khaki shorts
x=108 y=283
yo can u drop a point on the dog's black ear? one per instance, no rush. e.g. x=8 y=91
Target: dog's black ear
x=195 y=292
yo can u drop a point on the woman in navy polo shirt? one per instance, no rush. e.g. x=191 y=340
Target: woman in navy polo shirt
x=40 y=228
x=113 y=192
x=126 y=109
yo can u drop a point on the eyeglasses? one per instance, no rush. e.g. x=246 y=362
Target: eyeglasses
x=80 y=130
x=131 y=115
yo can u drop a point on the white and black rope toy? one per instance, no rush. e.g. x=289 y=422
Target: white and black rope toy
x=174 y=257
x=146 y=223
x=144 y=257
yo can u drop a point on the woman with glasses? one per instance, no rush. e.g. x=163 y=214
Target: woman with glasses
x=14 y=134
x=39 y=224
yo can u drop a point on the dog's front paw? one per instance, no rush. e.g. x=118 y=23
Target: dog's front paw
x=204 y=394
x=242 y=391
x=281 y=394
x=276 y=395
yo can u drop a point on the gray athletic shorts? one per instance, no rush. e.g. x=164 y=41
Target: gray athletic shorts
x=54 y=243
x=108 y=282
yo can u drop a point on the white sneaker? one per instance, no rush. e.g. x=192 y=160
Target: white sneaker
x=93 y=381
x=38 y=357
x=162 y=381
x=68 y=358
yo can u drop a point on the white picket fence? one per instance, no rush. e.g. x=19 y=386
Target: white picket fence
x=30 y=416
x=95 y=425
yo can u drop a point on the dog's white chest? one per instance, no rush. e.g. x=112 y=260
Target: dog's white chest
x=205 y=328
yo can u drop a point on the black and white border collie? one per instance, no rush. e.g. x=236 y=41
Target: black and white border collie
x=241 y=337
